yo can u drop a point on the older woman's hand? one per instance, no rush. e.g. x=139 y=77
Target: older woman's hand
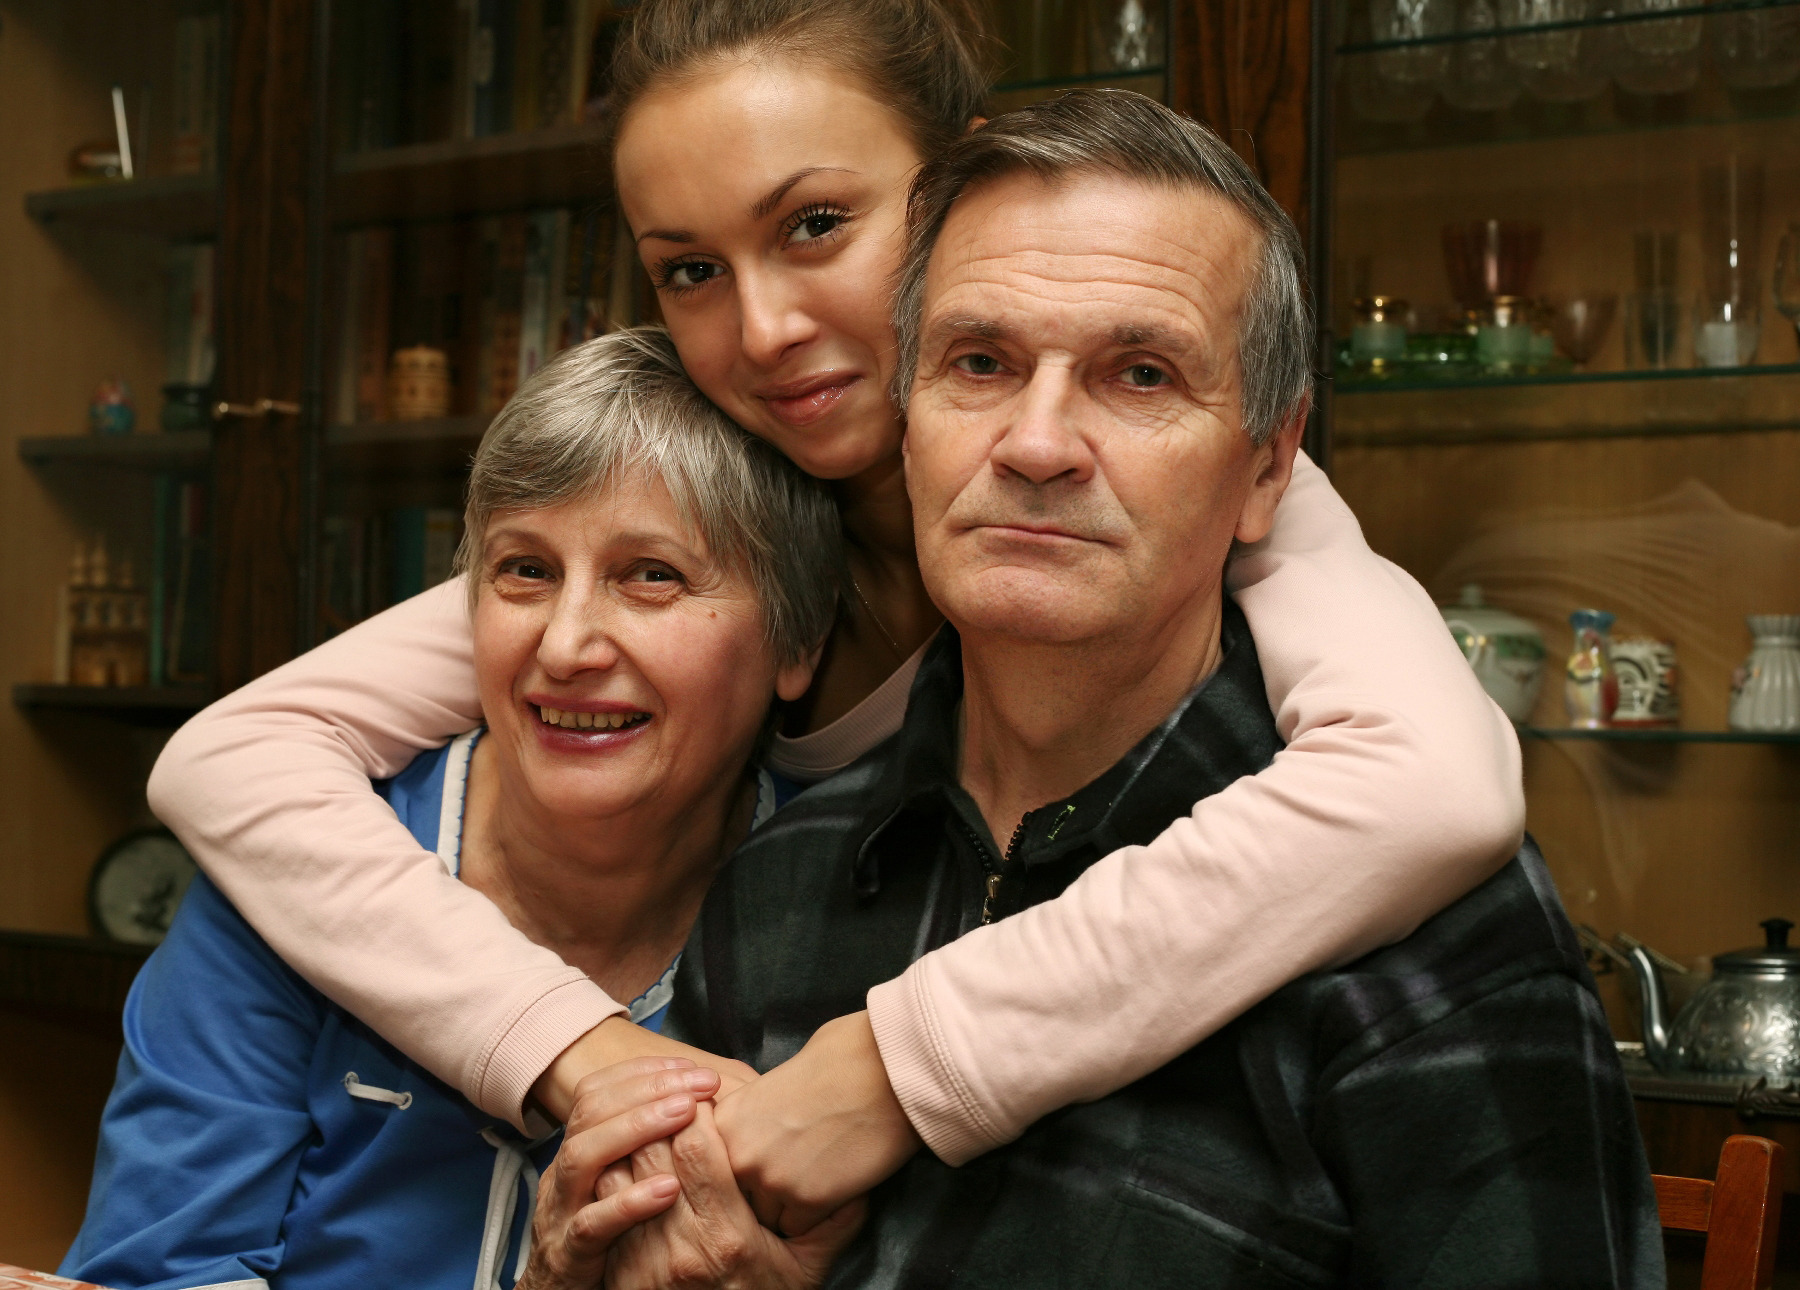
x=589 y=1197
x=709 y=1237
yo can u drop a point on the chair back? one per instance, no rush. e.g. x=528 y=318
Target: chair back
x=1740 y=1212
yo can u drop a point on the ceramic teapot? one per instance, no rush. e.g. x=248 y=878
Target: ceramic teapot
x=1744 y=1021
x=1506 y=652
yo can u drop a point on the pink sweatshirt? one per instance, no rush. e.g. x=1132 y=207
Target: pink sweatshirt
x=1398 y=791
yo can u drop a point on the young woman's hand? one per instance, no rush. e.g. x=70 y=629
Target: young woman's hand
x=709 y=1237
x=589 y=1198
x=612 y=1042
x=819 y=1129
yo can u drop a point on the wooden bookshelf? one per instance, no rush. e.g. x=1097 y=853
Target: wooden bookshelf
x=178 y=206
x=560 y=166
x=441 y=445
x=185 y=449
x=57 y=975
x=137 y=705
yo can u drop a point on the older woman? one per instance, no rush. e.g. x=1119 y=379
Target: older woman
x=646 y=581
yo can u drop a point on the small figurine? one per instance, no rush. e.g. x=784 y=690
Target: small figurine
x=111 y=411
x=1590 y=686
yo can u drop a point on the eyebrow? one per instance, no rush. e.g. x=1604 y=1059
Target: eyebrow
x=758 y=210
x=1177 y=344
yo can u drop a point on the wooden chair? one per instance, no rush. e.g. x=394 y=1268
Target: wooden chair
x=1740 y=1213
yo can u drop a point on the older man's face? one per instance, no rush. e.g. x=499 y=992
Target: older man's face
x=1075 y=454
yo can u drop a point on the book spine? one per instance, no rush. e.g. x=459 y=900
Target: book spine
x=509 y=287
x=528 y=64
x=162 y=547
x=348 y=314
x=202 y=302
x=376 y=324
x=442 y=528
x=534 y=295
x=557 y=296
x=406 y=569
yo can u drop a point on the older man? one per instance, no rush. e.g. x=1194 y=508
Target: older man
x=1105 y=341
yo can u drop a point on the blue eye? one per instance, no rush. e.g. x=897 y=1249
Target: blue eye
x=979 y=364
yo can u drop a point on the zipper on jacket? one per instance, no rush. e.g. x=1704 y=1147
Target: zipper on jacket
x=996 y=877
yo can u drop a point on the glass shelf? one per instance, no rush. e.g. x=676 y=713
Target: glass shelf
x=1574 y=24
x=1347 y=384
x=1660 y=735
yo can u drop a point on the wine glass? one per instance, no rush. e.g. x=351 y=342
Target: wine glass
x=1787 y=276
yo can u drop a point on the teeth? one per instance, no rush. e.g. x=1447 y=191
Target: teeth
x=588 y=720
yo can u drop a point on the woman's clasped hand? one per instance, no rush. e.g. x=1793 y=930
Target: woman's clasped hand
x=642 y=1195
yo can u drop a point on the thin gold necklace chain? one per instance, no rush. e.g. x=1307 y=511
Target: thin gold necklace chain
x=876 y=619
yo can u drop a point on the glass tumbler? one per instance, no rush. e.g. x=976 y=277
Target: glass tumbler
x=1787 y=276
x=1756 y=49
x=1658 y=56
x=1481 y=77
x=1563 y=66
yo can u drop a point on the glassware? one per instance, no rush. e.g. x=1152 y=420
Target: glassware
x=1558 y=66
x=1765 y=691
x=1590 y=686
x=1481 y=78
x=1653 y=313
x=1489 y=258
x=1660 y=56
x=1400 y=85
x=1124 y=36
x=1379 y=337
x=1580 y=323
x=1756 y=49
x=1726 y=332
x=1503 y=340
x=1787 y=275
x=1652 y=329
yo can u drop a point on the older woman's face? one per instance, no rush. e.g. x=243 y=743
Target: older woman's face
x=617 y=661
x=768 y=200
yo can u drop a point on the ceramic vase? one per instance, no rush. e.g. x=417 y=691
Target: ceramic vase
x=1505 y=651
x=1765 y=691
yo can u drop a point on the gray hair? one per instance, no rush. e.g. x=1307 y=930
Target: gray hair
x=1124 y=133
x=621 y=406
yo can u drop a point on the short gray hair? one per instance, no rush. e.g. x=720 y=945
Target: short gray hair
x=621 y=406
x=1124 y=133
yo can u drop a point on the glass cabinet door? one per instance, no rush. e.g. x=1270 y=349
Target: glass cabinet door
x=1568 y=401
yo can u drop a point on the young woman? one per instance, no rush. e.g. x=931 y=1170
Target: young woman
x=762 y=151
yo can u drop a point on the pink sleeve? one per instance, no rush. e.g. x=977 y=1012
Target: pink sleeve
x=269 y=788
x=1399 y=790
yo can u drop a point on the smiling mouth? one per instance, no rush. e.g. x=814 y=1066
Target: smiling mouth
x=566 y=720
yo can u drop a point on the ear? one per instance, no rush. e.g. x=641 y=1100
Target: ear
x=975 y=123
x=1273 y=464
x=795 y=679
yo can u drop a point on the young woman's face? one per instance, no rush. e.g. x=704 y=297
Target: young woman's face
x=619 y=664
x=768 y=200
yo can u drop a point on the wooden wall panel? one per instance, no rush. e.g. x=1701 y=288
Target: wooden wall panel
x=257 y=461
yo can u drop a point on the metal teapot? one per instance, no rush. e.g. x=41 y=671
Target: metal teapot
x=1744 y=1021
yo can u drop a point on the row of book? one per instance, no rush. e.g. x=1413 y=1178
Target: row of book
x=188 y=325
x=498 y=295
x=419 y=71
x=368 y=562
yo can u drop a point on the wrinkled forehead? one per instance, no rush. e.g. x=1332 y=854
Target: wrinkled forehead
x=1087 y=258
